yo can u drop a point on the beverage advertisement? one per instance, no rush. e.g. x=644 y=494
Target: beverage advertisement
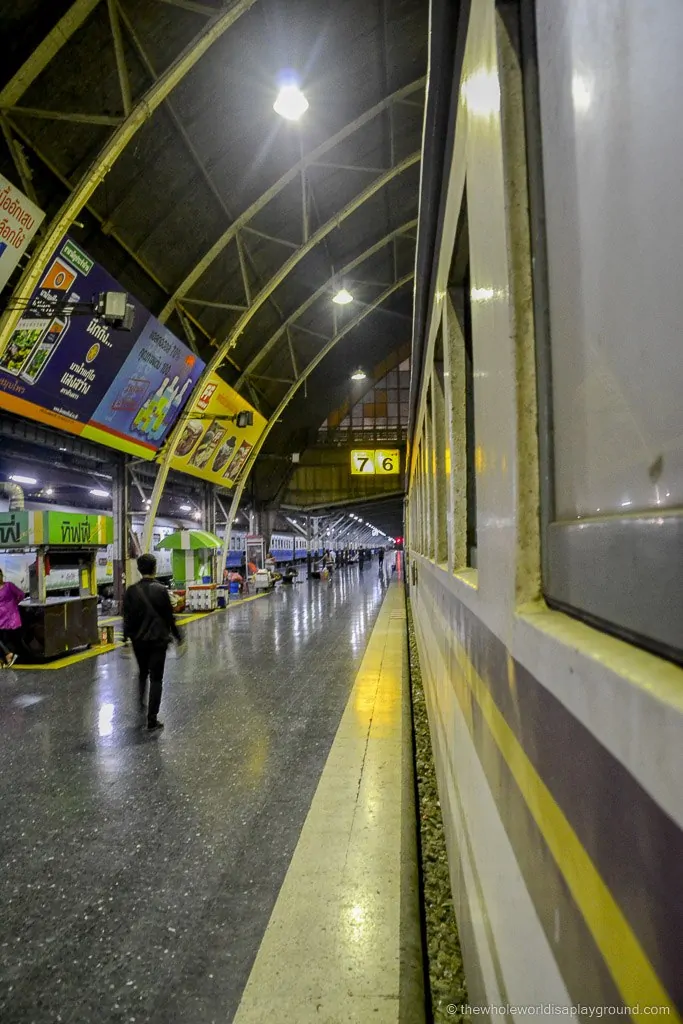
x=210 y=445
x=149 y=391
x=72 y=371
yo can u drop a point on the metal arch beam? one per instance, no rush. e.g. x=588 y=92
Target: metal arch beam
x=273 y=340
x=292 y=174
x=231 y=340
x=108 y=156
x=284 y=402
x=283 y=271
x=45 y=51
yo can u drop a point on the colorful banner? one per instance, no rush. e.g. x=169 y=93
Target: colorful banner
x=124 y=389
x=211 y=446
x=19 y=221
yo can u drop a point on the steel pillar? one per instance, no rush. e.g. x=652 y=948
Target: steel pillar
x=121 y=509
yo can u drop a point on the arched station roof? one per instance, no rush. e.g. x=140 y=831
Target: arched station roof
x=146 y=129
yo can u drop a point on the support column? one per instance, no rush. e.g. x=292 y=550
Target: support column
x=121 y=508
x=308 y=546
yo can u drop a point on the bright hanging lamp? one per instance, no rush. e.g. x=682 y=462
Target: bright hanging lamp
x=291 y=102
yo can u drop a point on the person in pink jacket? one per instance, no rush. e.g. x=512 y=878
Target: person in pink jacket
x=10 y=621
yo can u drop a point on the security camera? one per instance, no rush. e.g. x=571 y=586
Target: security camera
x=115 y=309
x=244 y=419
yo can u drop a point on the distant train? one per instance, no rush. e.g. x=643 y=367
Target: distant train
x=285 y=548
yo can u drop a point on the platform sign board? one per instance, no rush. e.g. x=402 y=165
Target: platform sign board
x=211 y=446
x=19 y=221
x=20 y=529
x=375 y=462
x=72 y=529
x=124 y=389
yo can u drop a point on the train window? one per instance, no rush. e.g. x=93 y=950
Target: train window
x=605 y=144
x=438 y=410
x=458 y=372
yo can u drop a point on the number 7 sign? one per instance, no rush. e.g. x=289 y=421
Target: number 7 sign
x=362 y=463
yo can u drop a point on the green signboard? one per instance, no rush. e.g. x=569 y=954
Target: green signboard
x=14 y=530
x=67 y=529
x=75 y=530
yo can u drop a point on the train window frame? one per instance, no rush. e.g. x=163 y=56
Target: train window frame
x=618 y=573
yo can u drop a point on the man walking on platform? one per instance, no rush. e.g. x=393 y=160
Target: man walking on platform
x=149 y=622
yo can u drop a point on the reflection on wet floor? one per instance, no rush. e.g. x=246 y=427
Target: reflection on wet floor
x=138 y=872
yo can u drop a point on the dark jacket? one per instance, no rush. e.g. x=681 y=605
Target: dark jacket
x=147 y=614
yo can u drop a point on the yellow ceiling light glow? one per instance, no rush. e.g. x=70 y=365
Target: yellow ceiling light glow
x=343 y=297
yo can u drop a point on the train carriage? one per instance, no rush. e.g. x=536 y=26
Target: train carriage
x=543 y=514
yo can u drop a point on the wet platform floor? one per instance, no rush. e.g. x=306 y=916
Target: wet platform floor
x=138 y=872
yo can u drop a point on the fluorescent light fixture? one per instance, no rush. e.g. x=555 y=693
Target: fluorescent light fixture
x=343 y=297
x=22 y=479
x=358 y=374
x=186 y=508
x=96 y=493
x=290 y=103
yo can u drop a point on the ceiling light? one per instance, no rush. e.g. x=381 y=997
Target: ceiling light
x=290 y=103
x=50 y=491
x=196 y=515
x=186 y=508
x=358 y=374
x=343 y=297
x=99 y=494
x=23 y=479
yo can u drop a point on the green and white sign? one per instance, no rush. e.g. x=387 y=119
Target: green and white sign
x=76 y=257
x=74 y=530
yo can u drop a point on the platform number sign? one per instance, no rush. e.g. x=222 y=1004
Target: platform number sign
x=381 y=462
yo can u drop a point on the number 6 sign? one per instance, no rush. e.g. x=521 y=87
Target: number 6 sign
x=387 y=462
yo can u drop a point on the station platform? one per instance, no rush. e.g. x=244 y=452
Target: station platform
x=254 y=861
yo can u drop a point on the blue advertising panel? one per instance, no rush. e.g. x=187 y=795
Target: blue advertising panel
x=150 y=389
x=74 y=372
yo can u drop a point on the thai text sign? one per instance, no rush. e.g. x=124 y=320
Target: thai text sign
x=211 y=446
x=73 y=529
x=375 y=462
x=124 y=389
x=19 y=221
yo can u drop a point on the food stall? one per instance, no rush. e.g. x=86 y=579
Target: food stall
x=56 y=624
x=193 y=565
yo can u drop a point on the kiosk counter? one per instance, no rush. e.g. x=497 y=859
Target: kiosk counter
x=56 y=625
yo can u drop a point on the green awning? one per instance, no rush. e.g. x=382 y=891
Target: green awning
x=190 y=540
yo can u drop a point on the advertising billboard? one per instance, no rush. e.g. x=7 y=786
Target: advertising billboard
x=211 y=446
x=19 y=221
x=122 y=388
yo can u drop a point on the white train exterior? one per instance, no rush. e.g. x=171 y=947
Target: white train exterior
x=550 y=651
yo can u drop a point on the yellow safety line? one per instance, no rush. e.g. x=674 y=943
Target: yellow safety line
x=331 y=949
x=95 y=651
x=633 y=974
